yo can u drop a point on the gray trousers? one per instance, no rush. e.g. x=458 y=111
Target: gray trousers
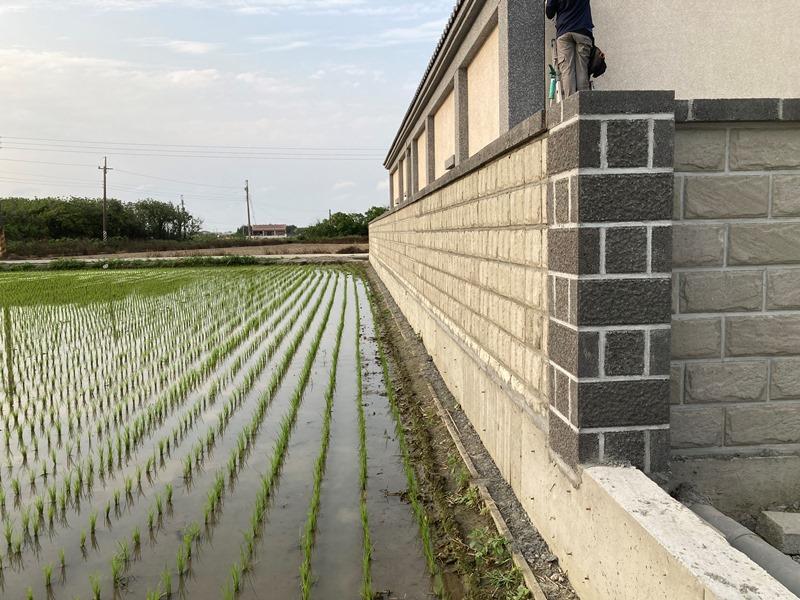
x=574 y=50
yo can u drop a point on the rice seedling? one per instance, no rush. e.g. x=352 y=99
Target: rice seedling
x=47 y=571
x=94 y=582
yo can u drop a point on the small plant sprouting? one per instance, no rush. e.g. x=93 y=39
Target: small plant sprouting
x=94 y=581
x=47 y=571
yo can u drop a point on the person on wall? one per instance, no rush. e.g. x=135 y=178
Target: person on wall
x=574 y=42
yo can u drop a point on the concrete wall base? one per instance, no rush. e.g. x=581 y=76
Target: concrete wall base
x=616 y=533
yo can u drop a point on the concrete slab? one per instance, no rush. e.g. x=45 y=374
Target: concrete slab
x=781 y=529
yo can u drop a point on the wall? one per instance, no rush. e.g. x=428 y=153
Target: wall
x=716 y=49
x=539 y=231
x=444 y=127
x=483 y=94
x=421 y=144
x=475 y=251
x=736 y=304
x=499 y=41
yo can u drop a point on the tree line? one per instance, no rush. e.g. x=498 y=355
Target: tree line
x=338 y=225
x=82 y=218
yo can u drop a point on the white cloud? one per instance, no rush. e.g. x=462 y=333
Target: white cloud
x=193 y=77
x=344 y=185
x=179 y=46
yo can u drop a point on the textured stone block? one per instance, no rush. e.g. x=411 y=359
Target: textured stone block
x=660 y=450
x=620 y=102
x=623 y=403
x=696 y=338
x=573 y=447
x=663 y=144
x=624 y=353
x=576 y=145
x=762 y=424
x=764 y=244
x=625 y=447
x=791 y=109
x=676 y=384
x=660 y=351
x=698 y=245
x=721 y=291
x=726 y=382
x=736 y=109
x=626 y=250
x=561 y=201
x=786 y=196
x=783 y=290
x=726 y=197
x=700 y=149
x=763 y=336
x=677 y=198
x=628 y=143
x=765 y=149
x=606 y=198
x=696 y=427
x=661 y=250
x=781 y=529
x=575 y=251
x=785 y=379
x=624 y=302
x=560 y=299
x=576 y=352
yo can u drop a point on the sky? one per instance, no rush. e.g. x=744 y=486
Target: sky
x=300 y=97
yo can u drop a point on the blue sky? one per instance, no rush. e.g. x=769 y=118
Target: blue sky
x=82 y=78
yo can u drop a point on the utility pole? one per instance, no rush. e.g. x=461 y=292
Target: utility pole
x=247 y=198
x=105 y=171
x=183 y=218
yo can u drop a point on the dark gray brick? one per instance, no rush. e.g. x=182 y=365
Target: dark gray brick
x=575 y=251
x=626 y=447
x=660 y=450
x=575 y=352
x=660 y=350
x=736 y=109
x=624 y=102
x=664 y=144
x=608 y=198
x=624 y=353
x=626 y=250
x=791 y=109
x=628 y=144
x=624 y=302
x=576 y=145
x=661 y=252
x=573 y=447
x=623 y=403
x=681 y=111
x=562 y=201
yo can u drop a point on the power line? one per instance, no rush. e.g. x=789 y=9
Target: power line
x=319 y=148
x=210 y=185
x=188 y=152
x=297 y=157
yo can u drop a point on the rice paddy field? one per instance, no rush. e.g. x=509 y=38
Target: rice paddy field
x=202 y=433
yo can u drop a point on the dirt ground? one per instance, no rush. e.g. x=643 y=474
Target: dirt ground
x=452 y=518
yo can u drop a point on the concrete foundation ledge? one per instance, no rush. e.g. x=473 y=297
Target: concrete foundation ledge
x=667 y=550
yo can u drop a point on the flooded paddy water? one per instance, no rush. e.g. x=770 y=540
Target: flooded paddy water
x=200 y=433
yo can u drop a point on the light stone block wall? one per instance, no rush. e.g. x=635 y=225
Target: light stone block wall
x=736 y=297
x=475 y=253
x=444 y=127
x=483 y=93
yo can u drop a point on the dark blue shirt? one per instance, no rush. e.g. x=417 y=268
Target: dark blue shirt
x=572 y=16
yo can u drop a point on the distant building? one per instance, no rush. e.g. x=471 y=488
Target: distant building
x=270 y=231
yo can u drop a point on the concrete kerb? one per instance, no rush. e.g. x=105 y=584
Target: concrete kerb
x=491 y=507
